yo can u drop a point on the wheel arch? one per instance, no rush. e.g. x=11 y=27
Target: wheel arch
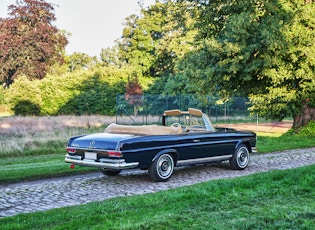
x=241 y=157
x=246 y=143
x=173 y=152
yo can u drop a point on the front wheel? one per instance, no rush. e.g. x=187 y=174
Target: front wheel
x=240 y=158
x=162 y=168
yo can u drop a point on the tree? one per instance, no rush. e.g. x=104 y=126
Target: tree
x=29 y=43
x=261 y=49
x=154 y=40
x=110 y=57
x=140 y=35
x=79 y=60
x=134 y=93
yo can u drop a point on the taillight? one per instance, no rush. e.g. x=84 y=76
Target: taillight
x=114 y=154
x=70 y=150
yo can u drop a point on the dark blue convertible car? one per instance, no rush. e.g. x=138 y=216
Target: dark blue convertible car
x=183 y=137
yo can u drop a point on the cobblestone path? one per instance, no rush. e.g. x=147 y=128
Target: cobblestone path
x=75 y=190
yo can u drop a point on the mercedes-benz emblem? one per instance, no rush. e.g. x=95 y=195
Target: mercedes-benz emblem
x=92 y=144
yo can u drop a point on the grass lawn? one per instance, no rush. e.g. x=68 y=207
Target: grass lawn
x=272 y=200
x=36 y=167
x=268 y=144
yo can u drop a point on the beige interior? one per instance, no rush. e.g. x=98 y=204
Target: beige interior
x=155 y=129
x=143 y=129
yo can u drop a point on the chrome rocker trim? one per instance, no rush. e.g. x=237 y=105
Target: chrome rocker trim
x=204 y=160
x=109 y=164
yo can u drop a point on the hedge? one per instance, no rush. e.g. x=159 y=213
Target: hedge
x=79 y=92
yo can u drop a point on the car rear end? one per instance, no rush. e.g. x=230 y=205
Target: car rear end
x=98 y=150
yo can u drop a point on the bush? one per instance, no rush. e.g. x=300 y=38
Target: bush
x=24 y=97
x=308 y=130
x=305 y=131
x=25 y=108
x=79 y=92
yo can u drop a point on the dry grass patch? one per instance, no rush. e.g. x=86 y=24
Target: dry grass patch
x=18 y=134
x=31 y=125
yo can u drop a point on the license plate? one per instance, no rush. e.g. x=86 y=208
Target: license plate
x=90 y=156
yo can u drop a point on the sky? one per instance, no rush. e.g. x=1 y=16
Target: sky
x=93 y=24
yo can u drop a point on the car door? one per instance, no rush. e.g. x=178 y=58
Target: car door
x=212 y=144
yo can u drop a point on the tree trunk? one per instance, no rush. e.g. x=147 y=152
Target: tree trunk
x=307 y=114
x=135 y=110
x=9 y=80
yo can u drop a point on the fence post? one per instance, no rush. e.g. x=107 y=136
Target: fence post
x=257 y=123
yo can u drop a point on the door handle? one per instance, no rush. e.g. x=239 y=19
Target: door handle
x=196 y=141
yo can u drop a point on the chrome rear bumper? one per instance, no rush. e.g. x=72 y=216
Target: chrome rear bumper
x=104 y=163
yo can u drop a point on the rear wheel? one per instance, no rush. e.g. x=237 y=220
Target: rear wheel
x=162 y=168
x=110 y=172
x=240 y=158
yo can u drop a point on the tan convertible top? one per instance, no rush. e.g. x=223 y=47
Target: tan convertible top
x=143 y=129
x=177 y=112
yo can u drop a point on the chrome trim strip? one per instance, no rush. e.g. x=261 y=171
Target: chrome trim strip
x=90 y=149
x=111 y=161
x=114 y=164
x=76 y=157
x=217 y=158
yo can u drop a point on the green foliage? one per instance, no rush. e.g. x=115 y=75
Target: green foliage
x=83 y=91
x=307 y=131
x=24 y=97
x=291 y=73
x=111 y=57
x=1 y=96
x=94 y=96
x=86 y=92
x=138 y=45
x=264 y=49
x=155 y=40
x=4 y=109
x=78 y=61
x=25 y=108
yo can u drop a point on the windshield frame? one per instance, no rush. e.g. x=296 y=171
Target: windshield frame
x=190 y=113
x=208 y=123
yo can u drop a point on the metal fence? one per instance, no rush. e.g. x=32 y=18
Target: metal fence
x=232 y=112
x=139 y=108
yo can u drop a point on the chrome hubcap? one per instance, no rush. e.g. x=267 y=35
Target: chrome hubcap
x=165 y=166
x=243 y=157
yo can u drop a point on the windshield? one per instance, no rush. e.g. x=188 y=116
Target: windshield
x=201 y=123
x=208 y=123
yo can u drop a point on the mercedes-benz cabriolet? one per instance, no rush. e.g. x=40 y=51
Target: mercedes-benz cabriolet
x=183 y=137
